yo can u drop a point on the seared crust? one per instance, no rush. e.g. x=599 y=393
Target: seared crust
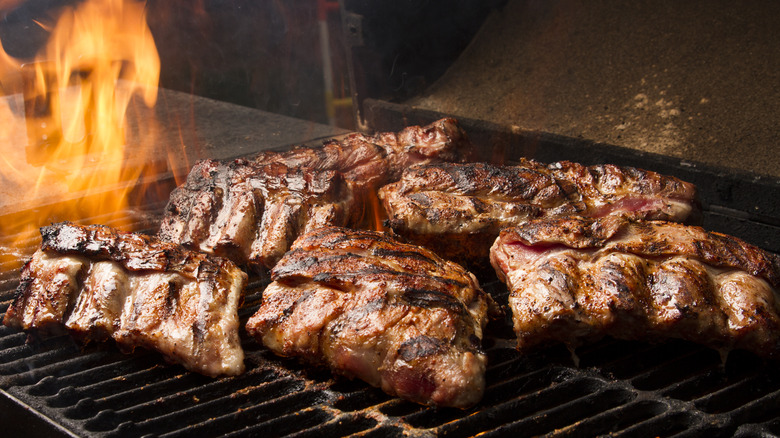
x=372 y=160
x=133 y=251
x=392 y=314
x=250 y=210
x=576 y=279
x=649 y=239
x=96 y=283
x=250 y=213
x=478 y=199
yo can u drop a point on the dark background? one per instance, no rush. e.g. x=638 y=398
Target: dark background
x=263 y=54
x=266 y=54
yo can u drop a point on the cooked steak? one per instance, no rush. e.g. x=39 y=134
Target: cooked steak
x=97 y=283
x=392 y=314
x=372 y=160
x=459 y=209
x=576 y=279
x=250 y=210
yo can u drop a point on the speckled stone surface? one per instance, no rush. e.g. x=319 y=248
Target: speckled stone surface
x=696 y=80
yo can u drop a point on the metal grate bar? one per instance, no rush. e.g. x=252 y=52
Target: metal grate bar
x=736 y=394
x=343 y=425
x=616 y=419
x=566 y=413
x=289 y=401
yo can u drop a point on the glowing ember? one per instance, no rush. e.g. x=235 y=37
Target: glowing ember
x=62 y=120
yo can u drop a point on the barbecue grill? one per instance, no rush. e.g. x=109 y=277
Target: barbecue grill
x=56 y=387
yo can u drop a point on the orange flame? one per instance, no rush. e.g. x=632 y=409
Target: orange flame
x=375 y=214
x=63 y=138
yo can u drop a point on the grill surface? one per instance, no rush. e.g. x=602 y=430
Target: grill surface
x=621 y=388
x=57 y=387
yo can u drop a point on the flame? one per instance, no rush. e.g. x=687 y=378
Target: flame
x=63 y=125
x=375 y=212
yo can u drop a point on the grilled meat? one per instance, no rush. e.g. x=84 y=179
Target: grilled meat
x=576 y=279
x=251 y=213
x=251 y=210
x=392 y=314
x=372 y=160
x=97 y=283
x=459 y=209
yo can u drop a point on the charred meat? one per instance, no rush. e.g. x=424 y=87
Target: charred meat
x=97 y=283
x=251 y=213
x=576 y=279
x=250 y=210
x=372 y=160
x=459 y=209
x=392 y=314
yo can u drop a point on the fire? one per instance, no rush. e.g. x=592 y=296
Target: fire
x=63 y=125
x=376 y=213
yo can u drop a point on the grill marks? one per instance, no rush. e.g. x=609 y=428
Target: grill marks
x=577 y=279
x=250 y=211
x=99 y=304
x=419 y=347
x=42 y=299
x=502 y=182
x=428 y=299
x=389 y=313
x=97 y=283
x=459 y=209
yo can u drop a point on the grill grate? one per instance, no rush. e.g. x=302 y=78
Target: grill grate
x=619 y=388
